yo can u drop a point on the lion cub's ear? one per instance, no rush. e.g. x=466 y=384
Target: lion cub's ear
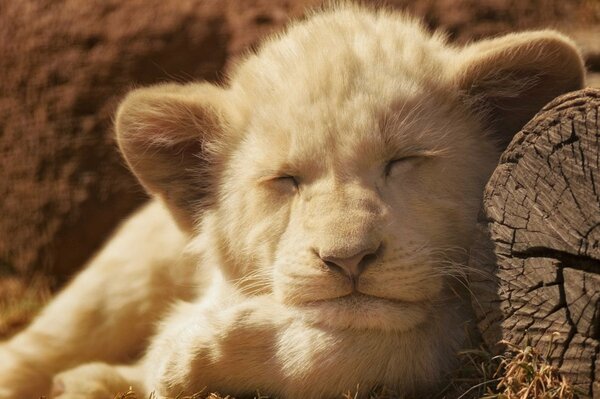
x=170 y=135
x=511 y=78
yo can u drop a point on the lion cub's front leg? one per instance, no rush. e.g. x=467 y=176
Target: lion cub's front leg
x=212 y=348
x=207 y=348
x=108 y=312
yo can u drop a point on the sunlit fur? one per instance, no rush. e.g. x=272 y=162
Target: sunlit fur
x=355 y=131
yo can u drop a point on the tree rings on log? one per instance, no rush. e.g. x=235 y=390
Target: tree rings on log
x=537 y=244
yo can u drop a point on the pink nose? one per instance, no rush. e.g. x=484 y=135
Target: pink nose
x=352 y=266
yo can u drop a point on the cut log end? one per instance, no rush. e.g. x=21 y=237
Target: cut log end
x=538 y=235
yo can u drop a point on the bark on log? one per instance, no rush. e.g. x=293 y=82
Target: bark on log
x=538 y=240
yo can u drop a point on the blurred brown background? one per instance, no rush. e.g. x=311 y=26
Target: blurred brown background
x=64 y=65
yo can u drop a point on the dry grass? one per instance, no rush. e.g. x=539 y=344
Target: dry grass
x=520 y=373
x=525 y=373
x=131 y=395
x=474 y=378
x=378 y=394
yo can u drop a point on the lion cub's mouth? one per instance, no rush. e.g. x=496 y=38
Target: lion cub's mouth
x=363 y=311
x=355 y=298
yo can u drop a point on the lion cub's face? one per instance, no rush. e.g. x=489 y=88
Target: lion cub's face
x=354 y=206
x=342 y=168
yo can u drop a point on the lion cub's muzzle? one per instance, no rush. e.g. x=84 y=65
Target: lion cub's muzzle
x=334 y=246
x=345 y=231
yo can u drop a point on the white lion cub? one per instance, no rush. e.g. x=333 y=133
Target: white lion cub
x=329 y=191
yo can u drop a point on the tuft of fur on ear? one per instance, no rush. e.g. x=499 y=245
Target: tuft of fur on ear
x=169 y=136
x=510 y=78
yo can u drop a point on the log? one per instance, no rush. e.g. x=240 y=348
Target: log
x=537 y=244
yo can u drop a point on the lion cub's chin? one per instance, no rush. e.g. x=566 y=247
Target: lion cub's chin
x=366 y=312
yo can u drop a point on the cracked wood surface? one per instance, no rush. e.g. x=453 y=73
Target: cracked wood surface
x=538 y=240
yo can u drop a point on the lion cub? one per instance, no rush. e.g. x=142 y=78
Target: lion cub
x=311 y=220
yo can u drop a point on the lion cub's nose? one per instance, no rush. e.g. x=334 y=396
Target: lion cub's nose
x=352 y=266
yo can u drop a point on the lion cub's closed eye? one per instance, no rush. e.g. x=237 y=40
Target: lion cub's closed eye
x=329 y=191
x=400 y=165
x=282 y=181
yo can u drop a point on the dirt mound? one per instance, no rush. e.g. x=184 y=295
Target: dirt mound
x=65 y=64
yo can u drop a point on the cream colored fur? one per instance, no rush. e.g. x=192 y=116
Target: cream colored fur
x=330 y=191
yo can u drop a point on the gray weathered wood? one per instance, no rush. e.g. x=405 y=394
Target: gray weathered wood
x=539 y=237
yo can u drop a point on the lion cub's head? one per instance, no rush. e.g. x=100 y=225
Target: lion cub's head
x=341 y=167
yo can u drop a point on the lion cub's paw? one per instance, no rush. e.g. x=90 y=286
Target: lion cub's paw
x=19 y=376
x=90 y=381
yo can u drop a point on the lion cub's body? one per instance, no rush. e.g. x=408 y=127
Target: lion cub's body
x=329 y=193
